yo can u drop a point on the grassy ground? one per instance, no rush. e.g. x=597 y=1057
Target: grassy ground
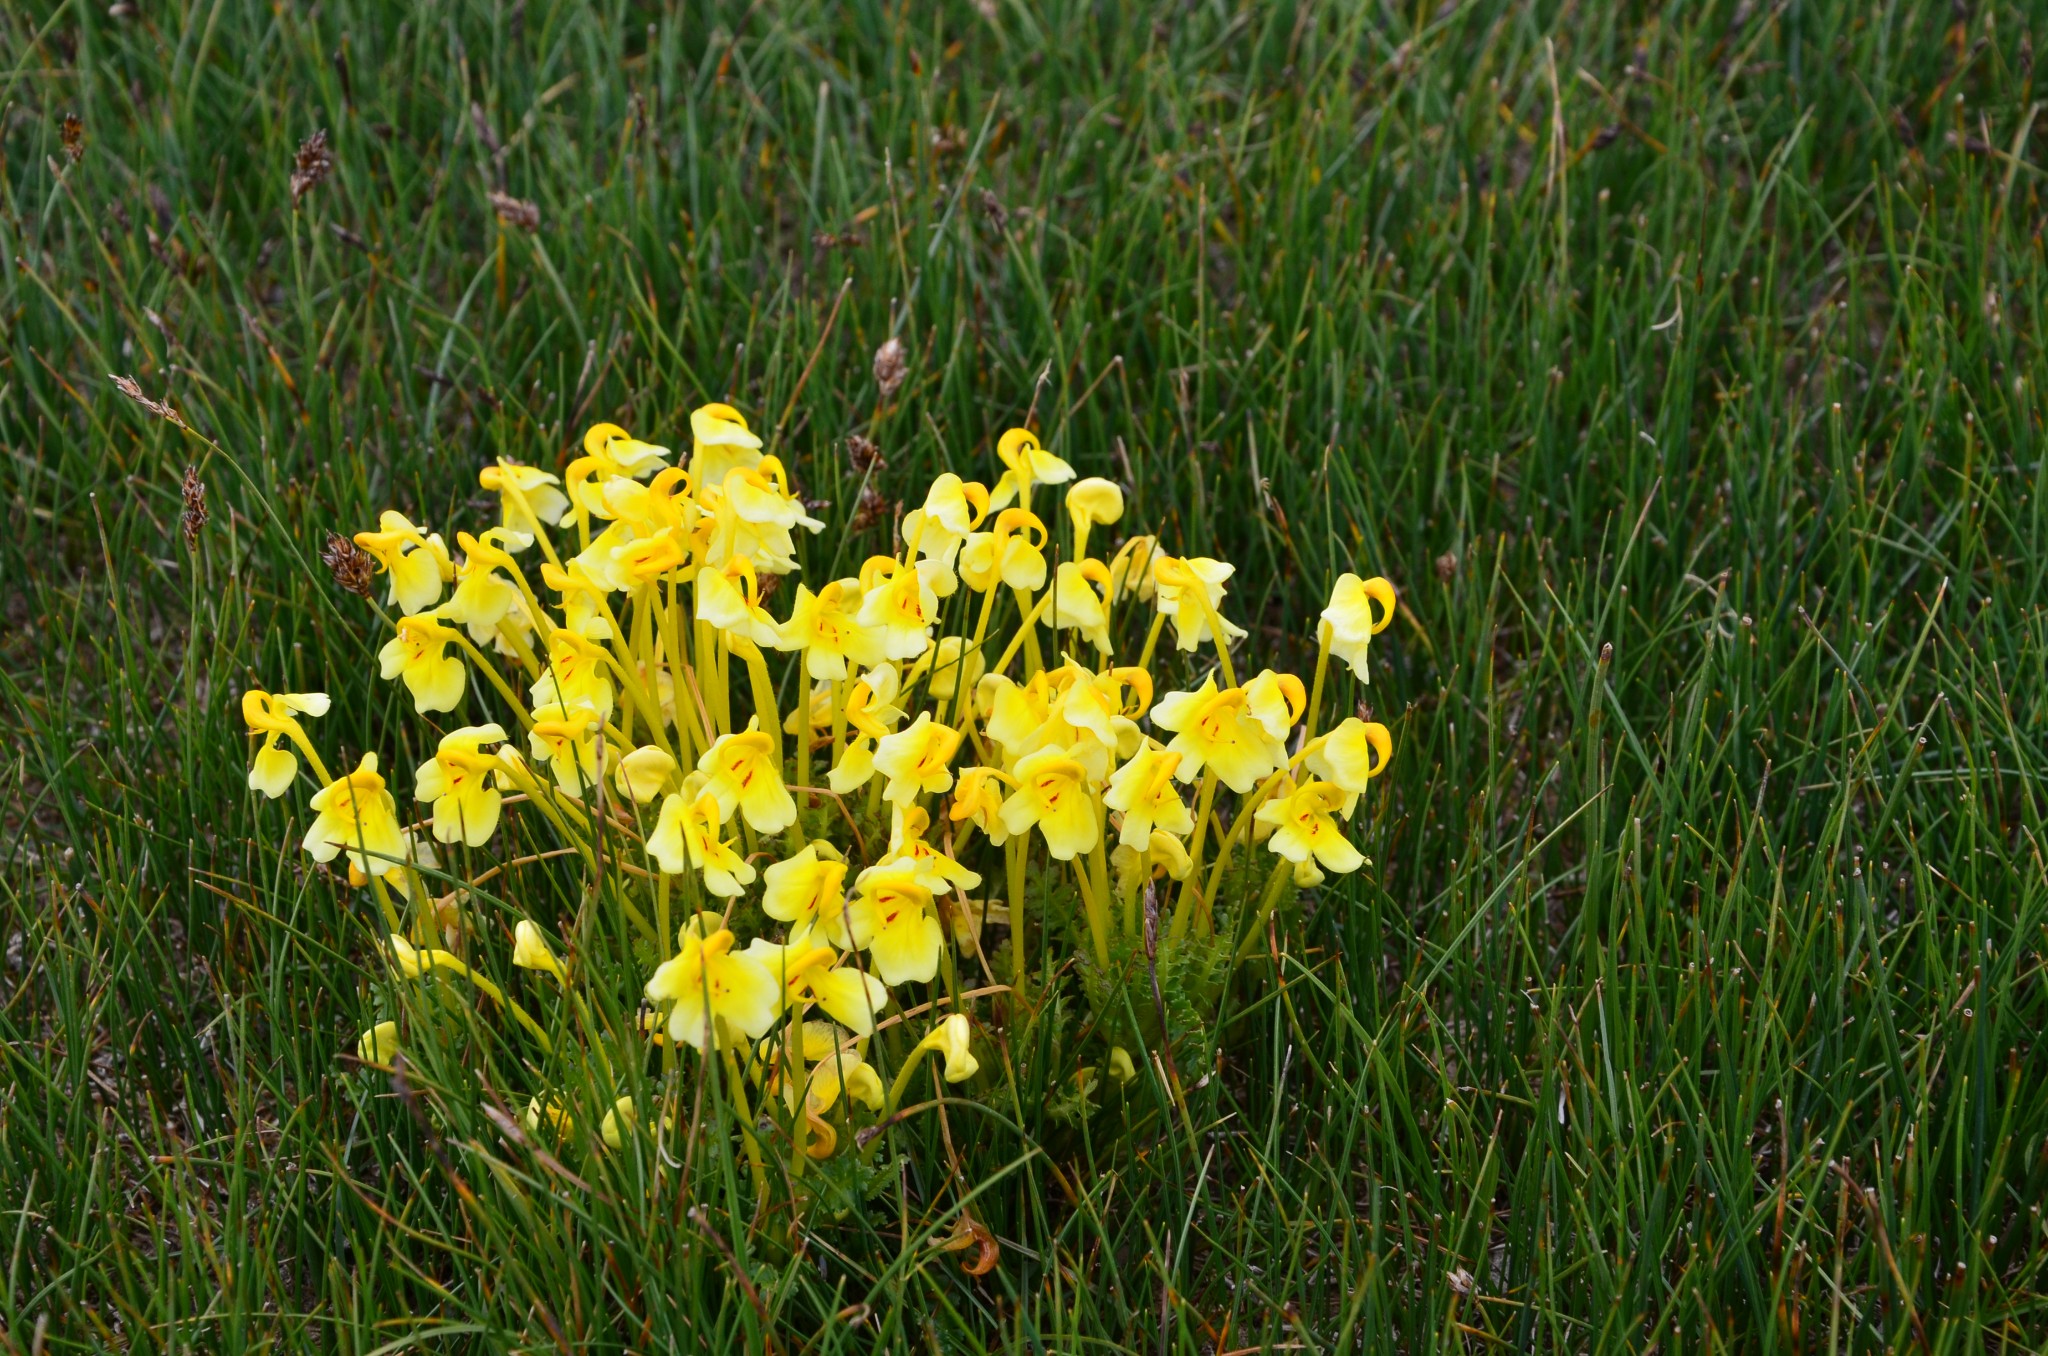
x=1682 y=365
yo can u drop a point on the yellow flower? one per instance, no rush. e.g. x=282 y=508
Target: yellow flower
x=622 y=1120
x=379 y=1045
x=1120 y=1064
x=978 y=800
x=488 y=603
x=706 y=981
x=581 y=612
x=892 y=920
x=752 y=513
x=950 y=1039
x=687 y=836
x=1275 y=701
x=826 y=626
x=416 y=560
x=1093 y=502
x=1028 y=464
x=1351 y=619
x=1143 y=791
x=644 y=773
x=637 y=459
x=1162 y=852
x=735 y=607
x=1022 y=717
x=806 y=892
x=566 y=741
x=952 y=509
x=897 y=607
x=807 y=975
x=577 y=675
x=721 y=442
x=742 y=771
x=1213 y=730
x=1052 y=793
x=354 y=813
x=1013 y=553
x=1077 y=606
x=1130 y=569
x=530 y=951
x=1351 y=756
x=549 y=1114
x=413 y=962
x=917 y=759
x=935 y=870
x=273 y=718
x=419 y=654
x=1094 y=722
x=544 y=500
x=1302 y=827
x=462 y=781
x=1180 y=588
x=947 y=668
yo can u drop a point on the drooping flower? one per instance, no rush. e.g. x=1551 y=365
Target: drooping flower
x=1076 y=605
x=897 y=607
x=686 y=837
x=949 y=1039
x=1190 y=591
x=1214 y=731
x=808 y=974
x=1275 y=701
x=634 y=458
x=527 y=497
x=462 y=782
x=742 y=771
x=530 y=951
x=419 y=653
x=708 y=982
x=907 y=845
x=806 y=892
x=826 y=626
x=273 y=717
x=644 y=773
x=1302 y=827
x=1351 y=755
x=566 y=740
x=1352 y=621
x=355 y=814
x=1011 y=553
x=1091 y=503
x=892 y=919
x=415 y=559
x=729 y=599
x=1053 y=794
x=378 y=1045
x=752 y=514
x=949 y=671
x=917 y=760
x=582 y=609
x=721 y=442
x=978 y=800
x=1143 y=791
x=1161 y=853
x=952 y=509
x=1027 y=464
x=487 y=602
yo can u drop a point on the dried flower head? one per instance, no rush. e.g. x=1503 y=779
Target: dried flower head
x=194 y=516
x=864 y=454
x=515 y=212
x=872 y=508
x=73 y=133
x=131 y=388
x=891 y=367
x=311 y=166
x=350 y=564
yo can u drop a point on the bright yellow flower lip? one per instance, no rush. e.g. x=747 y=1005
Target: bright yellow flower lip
x=566 y=740
x=729 y=599
x=950 y=1040
x=721 y=442
x=1352 y=621
x=687 y=837
x=744 y=773
x=530 y=951
x=1303 y=828
x=806 y=892
x=1190 y=591
x=917 y=760
x=419 y=654
x=461 y=781
x=1215 y=732
x=1052 y=794
x=1012 y=552
x=1029 y=464
x=273 y=719
x=355 y=814
x=1143 y=791
x=1351 y=755
x=826 y=626
x=707 y=982
x=578 y=674
x=892 y=919
x=898 y=606
x=416 y=561
x=528 y=497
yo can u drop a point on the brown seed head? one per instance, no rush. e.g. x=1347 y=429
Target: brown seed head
x=194 y=516
x=871 y=509
x=73 y=133
x=349 y=563
x=311 y=166
x=863 y=454
x=132 y=388
x=892 y=365
x=517 y=212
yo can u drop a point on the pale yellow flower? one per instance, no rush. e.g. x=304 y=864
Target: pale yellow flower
x=273 y=718
x=1302 y=827
x=1027 y=464
x=721 y=442
x=1143 y=790
x=355 y=814
x=1352 y=620
x=743 y=772
x=1053 y=794
x=706 y=981
x=416 y=561
x=530 y=951
x=462 y=783
x=687 y=837
x=420 y=654
x=893 y=920
x=917 y=760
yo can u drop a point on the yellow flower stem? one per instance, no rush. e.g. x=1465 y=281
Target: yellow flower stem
x=679 y=672
x=1151 y=640
x=392 y=921
x=711 y=678
x=901 y=1082
x=803 y=749
x=1183 y=908
x=764 y=701
x=1098 y=863
x=960 y=693
x=297 y=735
x=1222 y=642
x=1024 y=632
x=508 y=631
x=544 y=802
x=1013 y=861
x=497 y=680
x=1315 y=692
x=793 y=1064
x=1028 y=630
x=542 y=622
x=1098 y=914
x=1282 y=869
x=618 y=656
x=738 y=1088
x=838 y=720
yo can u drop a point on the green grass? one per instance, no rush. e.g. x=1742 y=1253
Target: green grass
x=1682 y=365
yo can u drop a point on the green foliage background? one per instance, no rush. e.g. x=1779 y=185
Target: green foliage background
x=1681 y=363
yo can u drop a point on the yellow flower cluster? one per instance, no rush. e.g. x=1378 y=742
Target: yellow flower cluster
x=988 y=677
